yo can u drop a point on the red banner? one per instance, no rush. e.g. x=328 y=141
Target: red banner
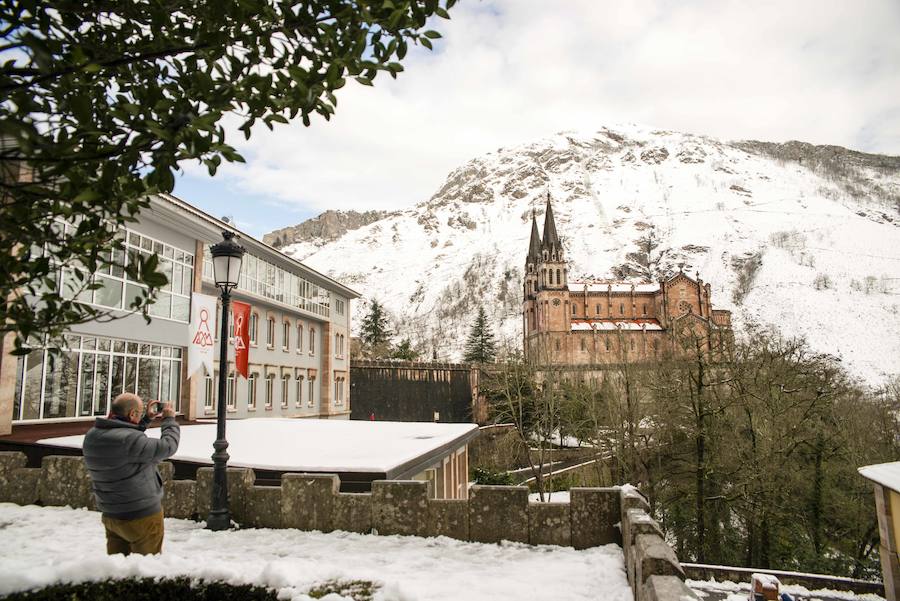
x=241 y=317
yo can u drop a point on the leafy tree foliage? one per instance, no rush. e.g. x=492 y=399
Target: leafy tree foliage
x=480 y=346
x=102 y=103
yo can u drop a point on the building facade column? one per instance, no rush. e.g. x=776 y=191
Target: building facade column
x=8 y=367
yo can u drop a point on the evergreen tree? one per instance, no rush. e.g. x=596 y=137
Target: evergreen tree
x=481 y=346
x=375 y=332
x=405 y=351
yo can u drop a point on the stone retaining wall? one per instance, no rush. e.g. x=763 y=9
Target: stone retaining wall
x=313 y=502
x=654 y=571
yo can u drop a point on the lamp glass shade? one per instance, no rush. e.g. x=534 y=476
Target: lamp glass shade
x=226 y=260
x=226 y=270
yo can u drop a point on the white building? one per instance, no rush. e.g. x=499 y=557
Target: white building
x=300 y=331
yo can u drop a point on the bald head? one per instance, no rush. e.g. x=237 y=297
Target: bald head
x=128 y=405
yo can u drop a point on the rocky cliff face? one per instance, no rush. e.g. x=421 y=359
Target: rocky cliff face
x=325 y=228
x=798 y=237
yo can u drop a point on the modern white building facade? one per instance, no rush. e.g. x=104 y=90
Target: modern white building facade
x=300 y=332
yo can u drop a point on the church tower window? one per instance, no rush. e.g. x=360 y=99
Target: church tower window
x=558 y=280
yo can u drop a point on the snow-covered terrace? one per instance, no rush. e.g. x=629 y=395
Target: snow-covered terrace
x=40 y=544
x=587 y=325
x=392 y=450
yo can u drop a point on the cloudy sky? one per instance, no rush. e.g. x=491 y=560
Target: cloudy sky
x=511 y=71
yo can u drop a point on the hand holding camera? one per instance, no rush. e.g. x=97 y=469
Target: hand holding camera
x=158 y=408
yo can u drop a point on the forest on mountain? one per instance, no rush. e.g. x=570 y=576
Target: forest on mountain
x=748 y=457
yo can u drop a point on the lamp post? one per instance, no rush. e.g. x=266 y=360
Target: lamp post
x=226 y=259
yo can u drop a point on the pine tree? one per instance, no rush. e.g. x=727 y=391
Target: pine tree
x=480 y=347
x=405 y=351
x=375 y=332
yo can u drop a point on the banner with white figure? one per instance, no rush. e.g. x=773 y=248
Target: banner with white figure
x=201 y=346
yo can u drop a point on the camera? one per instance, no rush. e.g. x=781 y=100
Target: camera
x=155 y=407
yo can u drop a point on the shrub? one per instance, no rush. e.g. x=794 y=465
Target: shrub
x=140 y=589
x=485 y=476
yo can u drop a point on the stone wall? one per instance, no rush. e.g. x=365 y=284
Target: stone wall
x=313 y=502
x=654 y=572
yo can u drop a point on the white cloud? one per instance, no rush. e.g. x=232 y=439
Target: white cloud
x=511 y=71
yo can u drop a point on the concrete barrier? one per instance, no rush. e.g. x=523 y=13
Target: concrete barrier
x=400 y=507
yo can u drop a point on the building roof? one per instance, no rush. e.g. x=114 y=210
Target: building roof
x=551 y=239
x=317 y=445
x=598 y=325
x=885 y=474
x=534 y=246
x=613 y=286
x=254 y=244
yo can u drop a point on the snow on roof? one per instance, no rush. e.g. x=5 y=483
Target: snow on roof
x=314 y=445
x=885 y=474
x=614 y=286
x=650 y=325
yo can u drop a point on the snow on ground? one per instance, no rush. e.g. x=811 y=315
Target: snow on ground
x=310 y=444
x=560 y=496
x=47 y=545
x=713 y=590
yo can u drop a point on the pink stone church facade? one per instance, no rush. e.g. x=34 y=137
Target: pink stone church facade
x=571 y=323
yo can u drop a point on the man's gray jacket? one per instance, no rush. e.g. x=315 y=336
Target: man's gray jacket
x=122 y=460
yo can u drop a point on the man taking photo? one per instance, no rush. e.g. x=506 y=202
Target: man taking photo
x=121 y=460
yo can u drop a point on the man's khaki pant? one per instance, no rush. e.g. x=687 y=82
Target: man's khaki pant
x=143 y=535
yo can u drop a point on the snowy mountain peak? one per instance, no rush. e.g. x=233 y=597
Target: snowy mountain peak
x=800 y=237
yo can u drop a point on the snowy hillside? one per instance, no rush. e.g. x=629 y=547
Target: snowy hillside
x=815 y=231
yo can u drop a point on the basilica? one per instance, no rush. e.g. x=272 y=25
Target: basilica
x=592 y=323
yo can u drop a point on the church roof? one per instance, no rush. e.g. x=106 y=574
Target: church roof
x=534 y=247
x=551 y=239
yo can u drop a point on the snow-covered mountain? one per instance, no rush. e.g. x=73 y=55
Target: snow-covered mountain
x=803 y=238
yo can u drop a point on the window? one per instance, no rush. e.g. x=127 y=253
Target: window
x=300 y=390
x=254 y=324
x=230 y=390
x=573 y=309
x=286 y=334
x=311 y=385
x=632 y=344
x=558 y=280
x=582 y=344
x=607 y=344
x=299 y=337
x=312 y=341
x=270 y=332
x=208 y=393
x=598 y=309
x=621 y=308
x=285 y=389
x=339 y=390
x=251 y=390
x=270 y=390
x=644 y=309
x=231 y=329
x=339 y=306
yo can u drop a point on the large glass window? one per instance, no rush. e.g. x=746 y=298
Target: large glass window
x=267 y=280
x=82 y=379
x=117 y=290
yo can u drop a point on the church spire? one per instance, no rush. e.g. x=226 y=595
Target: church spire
x=534 y=247
x=551 y=239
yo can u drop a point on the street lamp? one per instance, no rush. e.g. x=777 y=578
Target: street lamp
x=226 y=260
